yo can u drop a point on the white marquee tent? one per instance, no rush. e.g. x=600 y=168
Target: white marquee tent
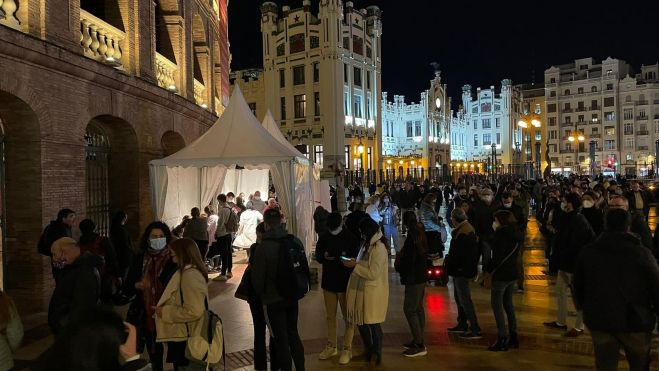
x=320 y=194
x=235 y=154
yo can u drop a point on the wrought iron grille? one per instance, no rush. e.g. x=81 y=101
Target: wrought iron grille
x=97 y=155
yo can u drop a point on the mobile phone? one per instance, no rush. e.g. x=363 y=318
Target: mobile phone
x=345 y=258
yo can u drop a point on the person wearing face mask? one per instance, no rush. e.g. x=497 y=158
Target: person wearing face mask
x=456 y=202
x=573 y=233
x=149 y=274
x=334 y=245
x=592 y=213
x=389 y=213
x=481 y=216
x=502 y=267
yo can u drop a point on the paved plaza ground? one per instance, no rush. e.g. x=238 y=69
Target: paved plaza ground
x=540 y=348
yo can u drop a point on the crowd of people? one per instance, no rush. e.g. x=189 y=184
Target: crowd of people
x=600 y=251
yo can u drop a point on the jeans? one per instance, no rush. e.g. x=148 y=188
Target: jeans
x=563 y=284
x=414 y=311
x=332 y=299
x=372 y=338
x=607 y=347
x=282 y=317
x=391 y=232
x=466 y=311
x=224 y=247
x=501 y=299
x=260 y=355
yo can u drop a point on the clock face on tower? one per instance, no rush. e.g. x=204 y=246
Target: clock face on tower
x=438 y=103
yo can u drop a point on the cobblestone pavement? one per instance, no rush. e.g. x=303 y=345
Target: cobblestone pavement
x=541 y=349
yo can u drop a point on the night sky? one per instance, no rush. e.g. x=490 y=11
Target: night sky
x=480 y=44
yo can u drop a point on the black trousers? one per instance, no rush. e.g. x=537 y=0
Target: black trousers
x=203 y=248
x=372 y=338
x=224 y=248
x=260 y=355
x=283 y=323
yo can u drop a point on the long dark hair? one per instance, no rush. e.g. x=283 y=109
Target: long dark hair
x=91 y=342
x=117 y=220
x=368 y=228
x=415 y=231
x=187 y=253
x=144 y=241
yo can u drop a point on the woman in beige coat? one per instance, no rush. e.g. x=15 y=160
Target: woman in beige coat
x=367 y=295
x=182 y=305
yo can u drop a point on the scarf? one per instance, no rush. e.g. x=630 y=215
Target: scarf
x=355 y=289
x=154 y=264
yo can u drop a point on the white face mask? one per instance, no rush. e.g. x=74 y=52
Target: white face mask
x=487 y=198
x=564 y=206
x=507 y=206
x=588 y=204
x=158 y=243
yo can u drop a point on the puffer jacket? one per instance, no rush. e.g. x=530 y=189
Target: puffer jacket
x=183 y=303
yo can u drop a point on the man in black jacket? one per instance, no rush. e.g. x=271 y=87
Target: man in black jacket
x=462 y=264
x=481 y=216
x=629 y=293
x=573 y=232
x=639 y=225
x=78 y=288
x=61 y=227
x=330 y=248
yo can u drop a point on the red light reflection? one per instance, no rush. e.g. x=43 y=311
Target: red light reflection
x=435 y=303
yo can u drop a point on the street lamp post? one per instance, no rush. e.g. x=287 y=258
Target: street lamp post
x=526 y=122
x=360 y=150
x=576 y=137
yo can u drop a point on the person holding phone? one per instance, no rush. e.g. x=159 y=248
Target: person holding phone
x=333 y=247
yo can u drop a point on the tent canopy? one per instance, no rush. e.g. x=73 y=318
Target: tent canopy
x=237 y=149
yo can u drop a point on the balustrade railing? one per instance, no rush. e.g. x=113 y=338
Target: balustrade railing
x=165 y=73
x=199 y=94
x=100 y=40
x=8 y=13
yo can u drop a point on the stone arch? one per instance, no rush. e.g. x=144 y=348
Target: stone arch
x=200 y=50
x=164 y=45
x=111 y=171
x=107 y=10
x=28 y=275
x=171 y=142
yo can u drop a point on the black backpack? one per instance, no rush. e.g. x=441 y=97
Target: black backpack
x=293 y=278
x=43 y=246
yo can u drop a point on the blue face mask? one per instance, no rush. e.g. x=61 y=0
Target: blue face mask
x=158 y=244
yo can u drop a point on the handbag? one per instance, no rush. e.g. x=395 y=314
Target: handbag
x=245 y=290
x=487 y=276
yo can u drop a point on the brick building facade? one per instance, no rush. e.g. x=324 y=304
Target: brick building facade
x=87 y=98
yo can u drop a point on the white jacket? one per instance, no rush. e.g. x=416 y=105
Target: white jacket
x=246 y=235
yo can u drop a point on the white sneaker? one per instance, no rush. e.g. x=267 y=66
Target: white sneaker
x=220 y=278
x=346 y=356
x=328 y=352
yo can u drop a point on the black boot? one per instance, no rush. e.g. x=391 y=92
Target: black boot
x=512 y=341
x=500 y=346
